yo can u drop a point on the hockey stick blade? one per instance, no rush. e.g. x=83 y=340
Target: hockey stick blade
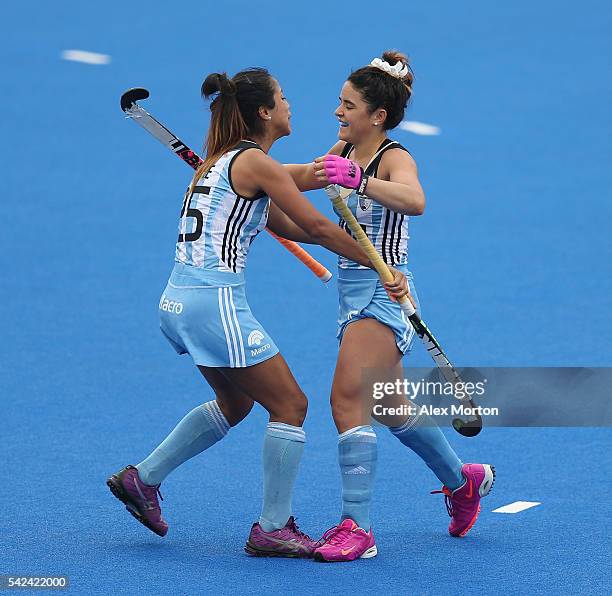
x=470 y=428
x=131 y=96
x=473 y=424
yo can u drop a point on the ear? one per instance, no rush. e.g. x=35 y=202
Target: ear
x=378 y=117
x=264 y=113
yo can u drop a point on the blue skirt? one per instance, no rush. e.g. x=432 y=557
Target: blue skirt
x=362 y=296
x=206 y=314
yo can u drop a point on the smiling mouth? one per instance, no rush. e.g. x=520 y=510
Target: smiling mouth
x=342 y=124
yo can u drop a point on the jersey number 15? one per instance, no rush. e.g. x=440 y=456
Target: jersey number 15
x=187 y=211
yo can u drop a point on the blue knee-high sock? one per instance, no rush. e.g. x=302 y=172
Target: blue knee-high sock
x=421 y=434
x=282 y=451
x=199 y=430
x=357 y=456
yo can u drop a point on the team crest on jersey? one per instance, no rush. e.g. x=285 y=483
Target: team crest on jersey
x=364 y=202
x=255 y=338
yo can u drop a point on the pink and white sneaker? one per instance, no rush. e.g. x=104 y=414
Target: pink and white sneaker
x=463 y=504
x=346 y=542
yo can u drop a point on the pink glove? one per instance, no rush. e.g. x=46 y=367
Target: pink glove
x=344 y=172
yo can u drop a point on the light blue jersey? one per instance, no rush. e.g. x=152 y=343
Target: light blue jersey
x=386 y=229
x=217 y=225
x=360 y=293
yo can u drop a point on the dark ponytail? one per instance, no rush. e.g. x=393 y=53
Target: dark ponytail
x=234 y=111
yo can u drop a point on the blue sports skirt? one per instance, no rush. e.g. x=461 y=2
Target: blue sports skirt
x=362 y=296
x=206 y=314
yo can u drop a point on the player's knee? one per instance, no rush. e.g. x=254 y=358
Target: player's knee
x=299 y=409
x=235 y=410
x=340 y=408
x=348 y=410
x=292 y=410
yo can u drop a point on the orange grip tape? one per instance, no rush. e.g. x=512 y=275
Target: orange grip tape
x=295 y=249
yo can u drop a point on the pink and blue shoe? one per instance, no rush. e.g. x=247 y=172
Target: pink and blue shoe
x=288 y=541
x=463 y=504
x=346 y=542
x=139 y=498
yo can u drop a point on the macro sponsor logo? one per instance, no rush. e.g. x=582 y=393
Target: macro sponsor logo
x=170 y=305
x=255 y=338
x=257 y=351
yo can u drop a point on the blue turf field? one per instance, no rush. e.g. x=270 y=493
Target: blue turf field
x=512 y=262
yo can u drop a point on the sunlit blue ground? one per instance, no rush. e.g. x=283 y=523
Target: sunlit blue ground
x=511 y=259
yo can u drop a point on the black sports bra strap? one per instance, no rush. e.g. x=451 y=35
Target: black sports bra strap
x=348 y=147
x=239 y=148
x=372 y=167
x=247 y=144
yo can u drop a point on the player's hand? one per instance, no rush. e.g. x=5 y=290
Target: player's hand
x=333 y=169
x=398 y=287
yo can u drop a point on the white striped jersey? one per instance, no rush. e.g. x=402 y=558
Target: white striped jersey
x=386 y=229
x=217 y=225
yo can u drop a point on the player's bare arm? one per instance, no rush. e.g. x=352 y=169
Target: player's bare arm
x=304 y=174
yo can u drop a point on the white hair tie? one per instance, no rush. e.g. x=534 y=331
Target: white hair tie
x=398 y=70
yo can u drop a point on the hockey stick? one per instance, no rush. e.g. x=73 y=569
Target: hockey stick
x=473 y=425
x=132 y=110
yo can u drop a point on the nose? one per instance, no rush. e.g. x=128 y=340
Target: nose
x=338 y=111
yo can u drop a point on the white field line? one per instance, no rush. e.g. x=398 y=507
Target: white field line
x=86 y=57
x=420 y=128
x=516 y=507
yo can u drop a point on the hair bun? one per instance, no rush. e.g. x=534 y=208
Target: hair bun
x=395 y=56
x=218 y=83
